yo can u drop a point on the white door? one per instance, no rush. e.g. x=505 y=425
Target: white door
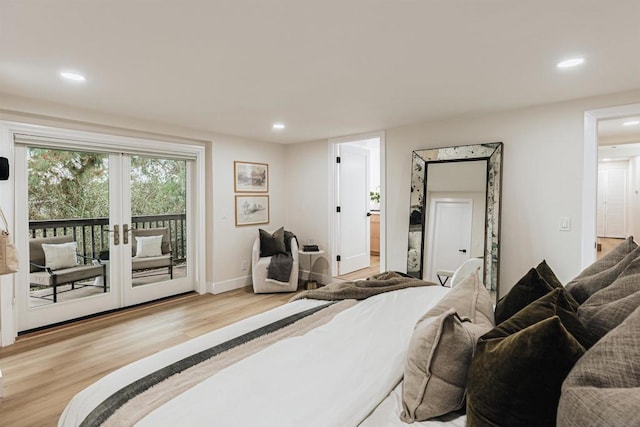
x=354 y=240
x=449 y=236
x=612 y=188
x=91 y=198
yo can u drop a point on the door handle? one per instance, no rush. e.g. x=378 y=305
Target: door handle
x=464 y=251
x=116 y=234
x=125 y=233
x=368 y=213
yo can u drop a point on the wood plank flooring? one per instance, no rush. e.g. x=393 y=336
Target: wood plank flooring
x=42 y=371
x=607 y=245
x=374 y=268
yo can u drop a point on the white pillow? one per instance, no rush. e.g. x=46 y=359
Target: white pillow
x=148 y=246
x=60 y=255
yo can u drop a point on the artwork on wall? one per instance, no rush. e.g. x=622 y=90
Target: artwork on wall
x=252 y=209
x=251 y=177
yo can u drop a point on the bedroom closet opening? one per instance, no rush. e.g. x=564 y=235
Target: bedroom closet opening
x=109 y=223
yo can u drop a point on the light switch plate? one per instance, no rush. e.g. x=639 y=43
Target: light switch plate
x=565 y=223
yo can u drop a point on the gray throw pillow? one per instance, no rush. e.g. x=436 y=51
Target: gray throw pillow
x=583 y=286
x=441 y=349
x=603 y=388
x=607 y=308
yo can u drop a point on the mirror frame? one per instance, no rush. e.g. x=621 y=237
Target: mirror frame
x=492 y=153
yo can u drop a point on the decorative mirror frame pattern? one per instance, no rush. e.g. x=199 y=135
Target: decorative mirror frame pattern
x=492 y=152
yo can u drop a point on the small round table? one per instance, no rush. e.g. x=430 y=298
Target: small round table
x=311 y=284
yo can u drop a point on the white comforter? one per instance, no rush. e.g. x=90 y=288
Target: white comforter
x=335 y=375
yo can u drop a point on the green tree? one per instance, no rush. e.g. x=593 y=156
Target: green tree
x=71 y=184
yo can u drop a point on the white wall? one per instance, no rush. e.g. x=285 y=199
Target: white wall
x=231 y=244
x=542 y=181
x=308 y=200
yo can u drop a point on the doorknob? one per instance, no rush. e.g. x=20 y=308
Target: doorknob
x=116 y=234
x=464 y=251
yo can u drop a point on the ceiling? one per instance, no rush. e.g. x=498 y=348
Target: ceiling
x=324 y=68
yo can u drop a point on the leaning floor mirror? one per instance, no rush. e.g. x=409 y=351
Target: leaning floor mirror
x=455 y=212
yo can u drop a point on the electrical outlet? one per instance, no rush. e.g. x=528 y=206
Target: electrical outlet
x=244 y=265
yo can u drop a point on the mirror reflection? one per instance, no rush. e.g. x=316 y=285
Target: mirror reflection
x=454 y=214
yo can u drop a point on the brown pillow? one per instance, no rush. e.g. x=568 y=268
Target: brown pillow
x=603 y=272
x=272 y=244
x=604 y=386
x=607 y=308
x=550 y=277
x=516 y=380
x=553 y=303
x=528 y=289
x=440 y=351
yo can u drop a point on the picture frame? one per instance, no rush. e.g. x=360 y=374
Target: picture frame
x=250 y=177
x=252 y=209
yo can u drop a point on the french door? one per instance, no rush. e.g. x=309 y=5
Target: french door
x=106 y=229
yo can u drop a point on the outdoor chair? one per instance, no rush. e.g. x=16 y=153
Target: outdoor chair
x=151 y=250
x=58 y=263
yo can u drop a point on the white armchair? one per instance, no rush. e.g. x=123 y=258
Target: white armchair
x=259 y=271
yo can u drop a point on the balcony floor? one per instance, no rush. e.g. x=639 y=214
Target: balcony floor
x=42 y=297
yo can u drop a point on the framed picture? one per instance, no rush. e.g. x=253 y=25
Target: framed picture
x=252 y=209
x=251 y=177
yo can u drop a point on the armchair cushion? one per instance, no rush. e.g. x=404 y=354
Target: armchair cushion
x=271 y=244
x=148 y=246
x=60 y=255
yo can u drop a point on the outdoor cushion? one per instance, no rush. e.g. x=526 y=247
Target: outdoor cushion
x=60 y=255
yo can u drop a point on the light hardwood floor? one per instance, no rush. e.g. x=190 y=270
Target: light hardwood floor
x=374 y=268
x=607 y=245
x=44 y=370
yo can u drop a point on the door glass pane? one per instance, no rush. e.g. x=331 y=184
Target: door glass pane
x=158 y=219
x=68 y=204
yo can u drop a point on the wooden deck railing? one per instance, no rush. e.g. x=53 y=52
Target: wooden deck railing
x=92 y=234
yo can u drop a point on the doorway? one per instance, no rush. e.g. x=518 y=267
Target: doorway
x=611 y=143
x=357 y=213
x=125 y=212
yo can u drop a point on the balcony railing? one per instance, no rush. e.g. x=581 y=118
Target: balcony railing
x=92 y=234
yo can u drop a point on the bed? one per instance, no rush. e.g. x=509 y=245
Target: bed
x=339 y=363
x=352 y=355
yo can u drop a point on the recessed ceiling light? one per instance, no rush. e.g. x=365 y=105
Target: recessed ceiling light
x=72 y=76
x=278 y=126
x=568 y=63
x=631 y=123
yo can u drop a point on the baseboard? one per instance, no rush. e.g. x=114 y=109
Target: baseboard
x=228 y=285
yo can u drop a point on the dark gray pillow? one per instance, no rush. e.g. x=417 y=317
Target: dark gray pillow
x=607 y=308
x=272 y=244
x=528 y=289
x=603 y=388
x=550 y=277
x=582 y=287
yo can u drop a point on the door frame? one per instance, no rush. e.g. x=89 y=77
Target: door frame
x=590 y=175
x=431 y=227
x=333 y=195
x=91 y=141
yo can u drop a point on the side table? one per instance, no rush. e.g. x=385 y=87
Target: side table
x=310 y=283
